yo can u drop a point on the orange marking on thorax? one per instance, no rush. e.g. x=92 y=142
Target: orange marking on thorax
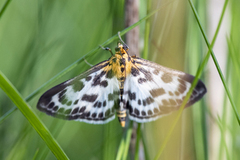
x=115 y=62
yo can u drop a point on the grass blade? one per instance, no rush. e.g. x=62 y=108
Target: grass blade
x=4 y=7
x=127 y=141
x=197 y=76
x=139 y=135
x=216 y=63
x=27 y=111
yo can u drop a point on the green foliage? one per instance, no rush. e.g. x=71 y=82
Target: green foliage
x=44 y=43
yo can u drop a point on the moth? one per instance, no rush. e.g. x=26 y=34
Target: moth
x=122 y=85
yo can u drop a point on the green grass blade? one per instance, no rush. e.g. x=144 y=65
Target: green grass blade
x=7 y=114
x=147 y=31
x=145 y=56
x=223 y=121
x=216 y=63
x=202 y=151
x=197 y=76
x=127 y=141
x=233 y=56
x=120 y=149
x=139 y=135
x=27 y=111
x=4 y=7
x=146 y=156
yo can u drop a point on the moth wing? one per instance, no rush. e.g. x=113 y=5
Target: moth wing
x=154 y=91
x=89 y=97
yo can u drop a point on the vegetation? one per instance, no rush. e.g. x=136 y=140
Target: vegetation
x=43 y=43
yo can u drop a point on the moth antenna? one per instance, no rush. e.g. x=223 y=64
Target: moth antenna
x=119 y=36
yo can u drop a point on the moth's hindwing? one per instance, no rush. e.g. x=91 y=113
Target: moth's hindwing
x=88 y=97
x=154 y=91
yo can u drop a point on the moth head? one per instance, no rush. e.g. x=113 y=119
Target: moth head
x=121 y=48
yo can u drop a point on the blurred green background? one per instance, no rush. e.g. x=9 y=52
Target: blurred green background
x=39 y=39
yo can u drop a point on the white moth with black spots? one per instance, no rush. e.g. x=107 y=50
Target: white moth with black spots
x=122 y=84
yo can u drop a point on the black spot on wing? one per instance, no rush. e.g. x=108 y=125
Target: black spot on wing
x=89 y=98
x=176 y=93
x=62 y=93
x=100 y=115
x=104 y=103
x=156 y=71
x=75 y=110
x=167 y=78
x=136 y=111
x=134 y=72
x=139 y=102
x=55 y=108
x=172 y=102
x=104 y=83
x=82 y=109
x=88 y=78
x=132 y=95
x=102 y=74
x=143 y=113
x=99 y=104
x=130 y=109
x=165 y=102
x=97 y=80
x=147 y=74
x=157 y=92
x=144 y=102
x=142 y=80
x=94 y=115
x=155 y=110
x=149 y=100
x=182 y=86
x=51 y=105
x=179 y=101
x=150 y=112
x=95 y=104
x=76 y=102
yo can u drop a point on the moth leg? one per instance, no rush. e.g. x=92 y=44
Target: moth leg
x=108 y=49
x=88 y=62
